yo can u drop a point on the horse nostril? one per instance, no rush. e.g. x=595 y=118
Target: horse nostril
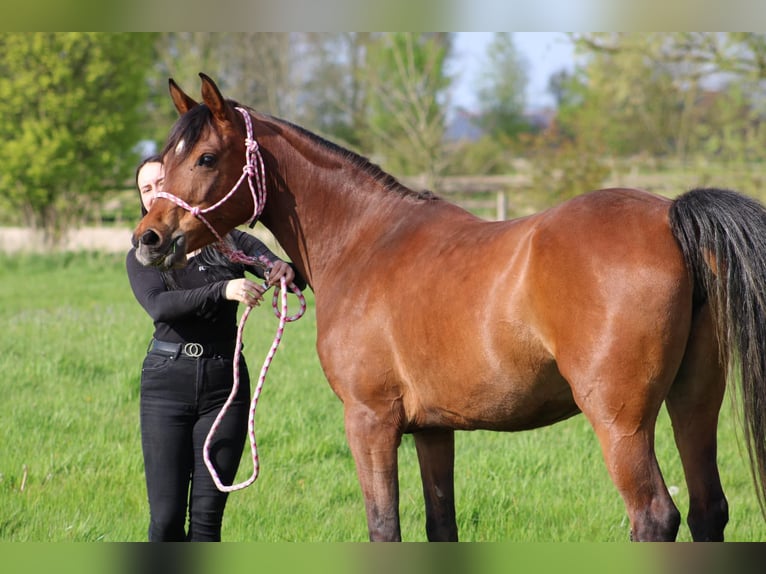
x=150 y=238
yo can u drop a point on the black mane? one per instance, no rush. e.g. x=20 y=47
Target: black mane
x=373 y=170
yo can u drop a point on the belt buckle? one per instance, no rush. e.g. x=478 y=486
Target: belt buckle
x=193 y=350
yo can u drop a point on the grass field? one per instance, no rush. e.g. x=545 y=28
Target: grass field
x=72 y=341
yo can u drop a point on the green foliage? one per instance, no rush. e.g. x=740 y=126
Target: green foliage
x=486 y=156
x=407 y=84
x=75 y=104
x=669 y=94
x=71 y=108
x=335 y=88
x=564 y=167
x=623 y=101
x=501 y=90
x=691 y=100
x=733 y=132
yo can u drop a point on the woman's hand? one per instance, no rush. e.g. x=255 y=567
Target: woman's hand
x=278 y=270
x=244 y=291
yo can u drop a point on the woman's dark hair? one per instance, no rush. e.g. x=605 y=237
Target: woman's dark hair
x=156 y=158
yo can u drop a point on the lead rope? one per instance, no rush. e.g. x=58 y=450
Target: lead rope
x=281 y=293
x=254 y=168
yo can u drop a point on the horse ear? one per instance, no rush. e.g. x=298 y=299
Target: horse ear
x=212 y=97
x=182 y=102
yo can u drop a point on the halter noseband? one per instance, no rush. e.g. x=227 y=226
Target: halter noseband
x=252 y=170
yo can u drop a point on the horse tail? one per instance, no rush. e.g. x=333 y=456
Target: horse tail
x=722 y=235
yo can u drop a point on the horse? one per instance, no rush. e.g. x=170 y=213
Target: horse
x=431 y=320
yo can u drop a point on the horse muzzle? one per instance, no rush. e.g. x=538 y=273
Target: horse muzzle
x=152 y=250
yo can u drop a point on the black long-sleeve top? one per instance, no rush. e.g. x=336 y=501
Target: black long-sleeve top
x=197 y=311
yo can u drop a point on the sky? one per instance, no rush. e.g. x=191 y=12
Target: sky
x=545 y=53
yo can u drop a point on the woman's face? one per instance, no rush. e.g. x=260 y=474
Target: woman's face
x=150 y=179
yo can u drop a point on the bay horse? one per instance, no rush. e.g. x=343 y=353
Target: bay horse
x=432 y=320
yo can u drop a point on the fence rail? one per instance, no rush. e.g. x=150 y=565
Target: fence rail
x=502 y=188
x=499 y=185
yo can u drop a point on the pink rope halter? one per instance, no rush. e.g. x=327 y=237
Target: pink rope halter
x=253 y=169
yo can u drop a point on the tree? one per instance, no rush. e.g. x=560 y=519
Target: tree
x=626 y=100
x=558 y=86
x=296 y=76
x=335 y=93
x=258 y=68
x=407 y=86
x=181 y=56
x=672 y=93
x=71 y=105
x=501 y=92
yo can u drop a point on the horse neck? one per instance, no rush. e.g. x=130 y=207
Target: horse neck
x=322 y=207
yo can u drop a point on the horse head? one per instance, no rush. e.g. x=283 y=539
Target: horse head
x=204 y=194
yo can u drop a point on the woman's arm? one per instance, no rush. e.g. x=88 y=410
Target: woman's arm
x=163 y=305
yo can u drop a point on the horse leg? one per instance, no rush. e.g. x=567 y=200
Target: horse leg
x=628 y=450
x=374 y=441
x=693 y=404
x=621 y=396
x=436 y=455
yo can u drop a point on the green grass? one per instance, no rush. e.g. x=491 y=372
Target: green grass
x=72 y=341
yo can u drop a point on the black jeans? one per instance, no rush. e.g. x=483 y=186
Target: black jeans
x=180 y=399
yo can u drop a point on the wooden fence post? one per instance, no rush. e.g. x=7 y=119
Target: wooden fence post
x=502 y=205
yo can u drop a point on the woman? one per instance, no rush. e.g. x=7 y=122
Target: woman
x=187 y=375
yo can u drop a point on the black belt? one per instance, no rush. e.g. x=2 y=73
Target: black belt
x=194 y=350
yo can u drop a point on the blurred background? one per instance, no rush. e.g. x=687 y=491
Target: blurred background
x=503 y=123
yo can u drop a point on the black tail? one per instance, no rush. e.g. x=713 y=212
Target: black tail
x=723 y=238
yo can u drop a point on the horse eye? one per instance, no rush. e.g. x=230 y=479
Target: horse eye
x=206 y=160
